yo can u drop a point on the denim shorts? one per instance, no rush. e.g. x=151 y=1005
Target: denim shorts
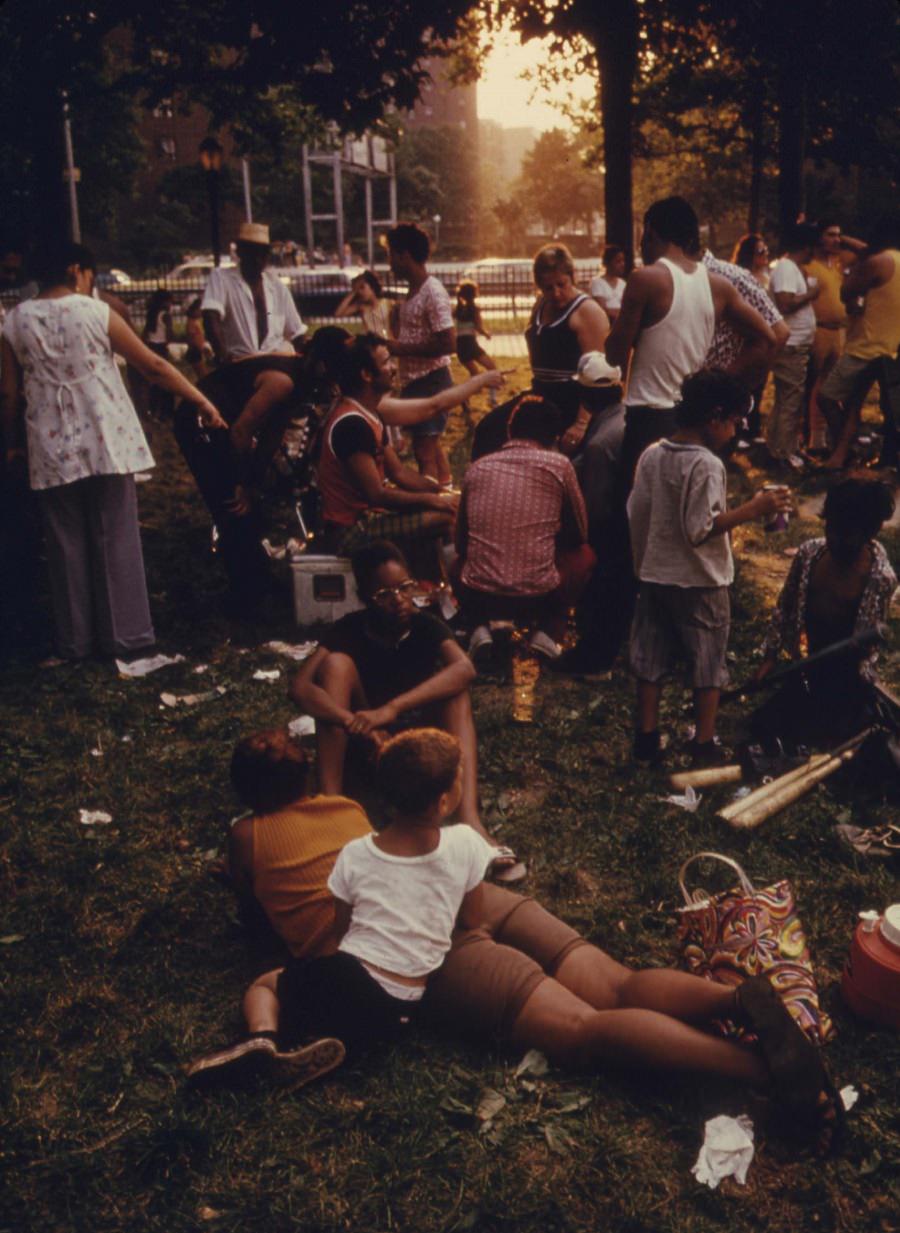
x=426 y=387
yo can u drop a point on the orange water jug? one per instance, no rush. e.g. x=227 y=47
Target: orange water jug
x=871 y=980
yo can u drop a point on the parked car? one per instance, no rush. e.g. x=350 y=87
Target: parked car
x=195 y=269
x=112 y=279
x=317 y=290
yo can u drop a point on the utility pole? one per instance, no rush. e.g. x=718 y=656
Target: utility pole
x=245 y=175
x=71 y=174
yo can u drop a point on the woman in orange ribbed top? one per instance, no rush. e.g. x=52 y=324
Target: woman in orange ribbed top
x=268 y=867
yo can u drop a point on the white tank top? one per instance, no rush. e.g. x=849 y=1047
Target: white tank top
x=675 y=347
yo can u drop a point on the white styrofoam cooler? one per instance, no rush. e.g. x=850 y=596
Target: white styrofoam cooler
x=324 y=589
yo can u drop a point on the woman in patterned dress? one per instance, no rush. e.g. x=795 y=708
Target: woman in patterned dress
x=84 y=444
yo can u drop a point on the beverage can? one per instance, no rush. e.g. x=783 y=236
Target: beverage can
x=779 y=521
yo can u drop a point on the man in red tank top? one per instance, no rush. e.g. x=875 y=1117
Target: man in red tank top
x=356 y=460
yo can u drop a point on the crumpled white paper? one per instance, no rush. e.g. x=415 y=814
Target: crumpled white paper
x=298 y=650
x=94 y=817
x=726 y=1152
x=689 y=801
x=849 y=1097
x=303 y=725
x=141 y=667
x=191 y=699
x=267 y=674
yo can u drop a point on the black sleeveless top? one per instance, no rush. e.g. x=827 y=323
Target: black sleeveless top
x=554 y=352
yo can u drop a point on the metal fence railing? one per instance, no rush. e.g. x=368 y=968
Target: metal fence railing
x=506 y=293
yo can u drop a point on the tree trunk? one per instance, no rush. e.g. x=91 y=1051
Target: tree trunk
x=49 y=223
x=755 y=121
x=791 y=142
x=615 y=42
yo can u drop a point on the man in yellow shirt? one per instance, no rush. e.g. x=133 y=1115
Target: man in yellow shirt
x=827 y=269
x=873 y=336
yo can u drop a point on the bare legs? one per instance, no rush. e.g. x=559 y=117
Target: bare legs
x=269 y=389
x=843 y=424
x=339 y=677
x=573 y=1034
x=456 y=718
x=706 y=707
x=260 y=1004
x=431 y=458
x=597 y=1010
x=648 y=696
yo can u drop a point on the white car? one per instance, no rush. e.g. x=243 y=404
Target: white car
x=198 y=267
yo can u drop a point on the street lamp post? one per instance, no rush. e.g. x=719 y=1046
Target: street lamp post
x=436 y=219
x=211 y=153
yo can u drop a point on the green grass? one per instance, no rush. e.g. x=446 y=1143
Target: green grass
x=122 y=960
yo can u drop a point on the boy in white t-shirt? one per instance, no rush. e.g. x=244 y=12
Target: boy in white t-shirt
x=679 y=524
x=398 y=895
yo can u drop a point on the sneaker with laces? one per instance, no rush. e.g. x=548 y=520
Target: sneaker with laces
x=294 y=1068
x=258 y=1056
x=542 y=644
x=237 y=1063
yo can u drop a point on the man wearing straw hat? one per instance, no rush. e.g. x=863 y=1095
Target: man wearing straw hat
x=253 y=325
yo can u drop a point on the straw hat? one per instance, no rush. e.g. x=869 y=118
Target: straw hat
x=254 y=233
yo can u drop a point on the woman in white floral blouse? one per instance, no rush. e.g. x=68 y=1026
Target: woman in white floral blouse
x=84 y=444
x=837 y=586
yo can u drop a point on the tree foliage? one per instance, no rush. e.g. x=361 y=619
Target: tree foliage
x=805 y=80
x=258 y=68
x=437 y=174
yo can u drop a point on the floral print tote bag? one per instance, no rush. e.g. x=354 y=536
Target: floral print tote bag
x=743 y=932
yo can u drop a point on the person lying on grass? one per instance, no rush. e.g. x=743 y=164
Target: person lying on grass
x=397 y=897
x=522 y=979
x=379 y=669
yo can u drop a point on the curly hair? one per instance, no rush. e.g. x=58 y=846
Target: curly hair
x=416 y=768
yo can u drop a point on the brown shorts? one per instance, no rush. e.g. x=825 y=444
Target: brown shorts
x=491 y=972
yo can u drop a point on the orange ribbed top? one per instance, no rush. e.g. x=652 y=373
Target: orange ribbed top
x=294 y=851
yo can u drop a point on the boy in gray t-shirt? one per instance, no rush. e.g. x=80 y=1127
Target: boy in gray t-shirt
x=679 y=524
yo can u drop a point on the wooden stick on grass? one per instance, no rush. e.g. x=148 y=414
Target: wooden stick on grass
x=707 y=777
x=789 y=788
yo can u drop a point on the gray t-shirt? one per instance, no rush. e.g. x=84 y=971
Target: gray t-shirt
x=678 y=492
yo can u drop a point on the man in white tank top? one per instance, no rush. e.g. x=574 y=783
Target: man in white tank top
x=666 y=324
x=665 y=327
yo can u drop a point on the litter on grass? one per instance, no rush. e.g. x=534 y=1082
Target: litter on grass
x=142 y=667
x=94 y=817
x=489 y=1105
x=298 y=650
x=533 y=1063
x=267 y=674
x=192 y=699
x=690 y=799
x=727 y=1150
x=849 y=1097
x=303 y=725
